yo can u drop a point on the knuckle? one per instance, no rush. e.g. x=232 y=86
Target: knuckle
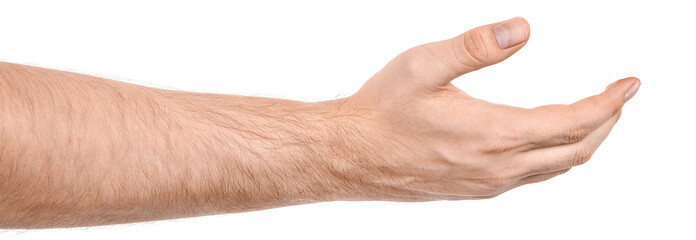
x=410 y=62
x=478 y=46
x=562 y=171
x=581 y=156
x=494 y=184
x=495 y=147
x=576 y=133
x=605 y=102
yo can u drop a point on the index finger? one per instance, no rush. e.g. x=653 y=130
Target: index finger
x=554 y=125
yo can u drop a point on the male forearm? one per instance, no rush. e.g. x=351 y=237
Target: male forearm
x=79 y=150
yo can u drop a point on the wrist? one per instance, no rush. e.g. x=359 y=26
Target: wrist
x=370 y=150
x=359 y=155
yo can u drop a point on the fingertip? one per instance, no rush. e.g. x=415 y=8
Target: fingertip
x=632 y=90
x=625 y=88
x=511 y=32
x=526 y=24
x=631 y=80
x=622 y=81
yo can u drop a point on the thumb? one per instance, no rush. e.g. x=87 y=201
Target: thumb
x=441 y=62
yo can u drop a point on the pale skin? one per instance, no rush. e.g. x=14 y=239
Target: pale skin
x=78 y=150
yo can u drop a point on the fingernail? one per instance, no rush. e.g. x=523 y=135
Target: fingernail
x=510 y=33
x=632 y=91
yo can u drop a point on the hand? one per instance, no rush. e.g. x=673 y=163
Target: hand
x=420 y=138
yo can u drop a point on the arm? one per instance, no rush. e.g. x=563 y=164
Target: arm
x=77 y=150
x=80 y=150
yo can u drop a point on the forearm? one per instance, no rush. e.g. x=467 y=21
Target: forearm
x=79 y=150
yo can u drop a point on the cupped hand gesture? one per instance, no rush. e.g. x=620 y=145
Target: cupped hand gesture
x=417 y=137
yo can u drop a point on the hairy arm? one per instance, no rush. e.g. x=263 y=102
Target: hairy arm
x=79 y=150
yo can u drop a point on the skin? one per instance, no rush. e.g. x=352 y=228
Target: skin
x=79 y=150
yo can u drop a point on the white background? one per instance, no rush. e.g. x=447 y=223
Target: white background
x=639 y=184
